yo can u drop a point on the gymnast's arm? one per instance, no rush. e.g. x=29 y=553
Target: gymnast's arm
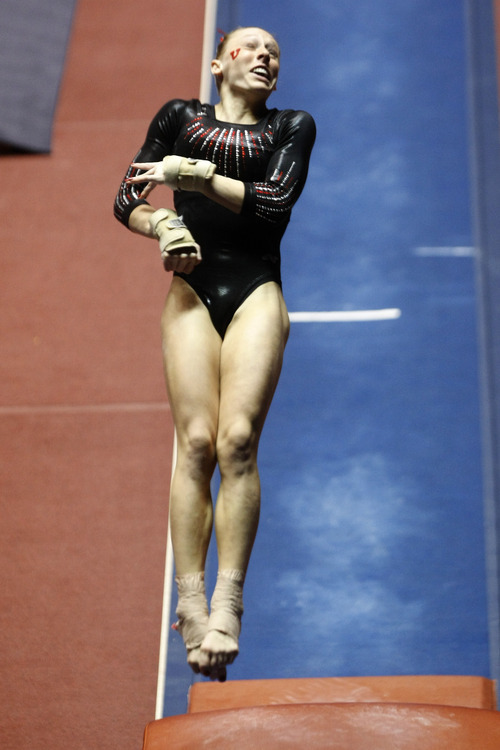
x=131 y=207
x=273 y=198
x=226 y=191
x=138 y=220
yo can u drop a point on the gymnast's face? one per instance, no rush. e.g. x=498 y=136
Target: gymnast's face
x=249 y=61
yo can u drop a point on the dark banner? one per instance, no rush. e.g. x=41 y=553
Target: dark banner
x=33 y=40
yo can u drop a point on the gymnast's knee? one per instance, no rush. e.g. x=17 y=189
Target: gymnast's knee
x=236 y=447
x=196 y=451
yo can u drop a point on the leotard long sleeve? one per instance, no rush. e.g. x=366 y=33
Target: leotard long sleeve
x=239 y=251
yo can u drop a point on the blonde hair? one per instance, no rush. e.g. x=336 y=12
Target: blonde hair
x=224 y=40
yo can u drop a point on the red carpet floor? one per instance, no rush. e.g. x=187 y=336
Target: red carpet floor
x=85 y=430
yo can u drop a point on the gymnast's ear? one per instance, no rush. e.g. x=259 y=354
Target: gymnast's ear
x=216 y=67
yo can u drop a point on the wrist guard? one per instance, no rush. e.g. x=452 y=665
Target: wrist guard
x=173 y=235
x=181 y=173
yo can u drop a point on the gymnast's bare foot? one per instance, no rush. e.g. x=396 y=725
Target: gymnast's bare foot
x=217 y=651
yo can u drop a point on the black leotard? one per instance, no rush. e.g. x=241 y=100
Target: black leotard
x=239 y=251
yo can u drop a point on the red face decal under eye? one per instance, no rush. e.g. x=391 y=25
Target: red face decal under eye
x=235 y=52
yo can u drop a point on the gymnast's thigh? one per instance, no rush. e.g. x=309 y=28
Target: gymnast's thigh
x=252 y=356
x=191 y=356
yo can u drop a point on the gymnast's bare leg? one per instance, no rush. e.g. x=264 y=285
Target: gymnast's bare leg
x=220 y=392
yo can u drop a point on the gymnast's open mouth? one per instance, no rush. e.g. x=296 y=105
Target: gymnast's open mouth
x=262 y=72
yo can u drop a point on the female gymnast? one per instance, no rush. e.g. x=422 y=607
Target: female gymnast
x=236 y=169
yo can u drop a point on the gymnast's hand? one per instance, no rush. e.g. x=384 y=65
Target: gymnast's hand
x=153 y=175
x=179 y=251
x=177 y=172
x=182 y=261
